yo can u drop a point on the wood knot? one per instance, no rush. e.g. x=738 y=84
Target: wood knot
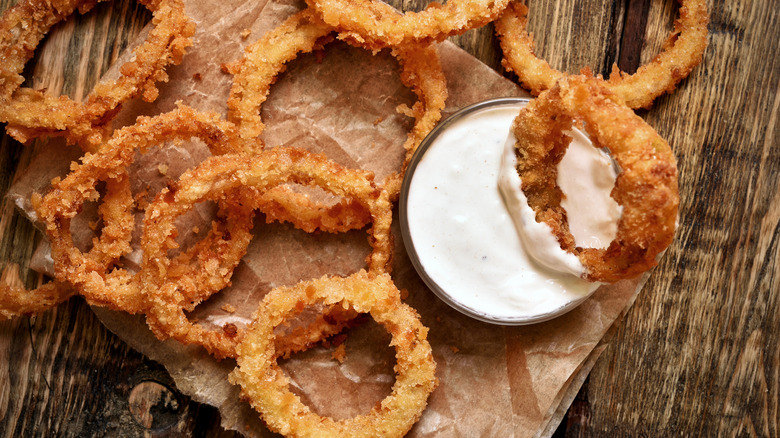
x=154 y=406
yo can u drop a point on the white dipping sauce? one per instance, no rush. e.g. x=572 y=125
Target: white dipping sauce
x=463 y=235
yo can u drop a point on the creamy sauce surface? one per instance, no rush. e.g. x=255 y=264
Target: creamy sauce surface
x=588 y=175
x=465 y=237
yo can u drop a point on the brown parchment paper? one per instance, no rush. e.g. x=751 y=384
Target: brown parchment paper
x=494 y=381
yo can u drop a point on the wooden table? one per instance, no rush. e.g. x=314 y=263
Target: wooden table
x=696 y=354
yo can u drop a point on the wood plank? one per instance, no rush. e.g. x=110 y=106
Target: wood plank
x=697 y=354
x=632 y=35
x=71 y=377
x=572 y=34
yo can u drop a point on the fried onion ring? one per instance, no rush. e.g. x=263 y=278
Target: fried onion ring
x=31 y=113
x=304 y=32
x=377 y=25
x=18 y=301
x=213 y=180
x=114 y=242
x=117 y=289
x=266 y=386
x=264 y=60
x=646 y=186
x=683 y=51
x=421 y=71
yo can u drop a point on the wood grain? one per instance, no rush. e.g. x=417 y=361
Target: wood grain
x=73 y=378
x=697 y=353
x=695 y=356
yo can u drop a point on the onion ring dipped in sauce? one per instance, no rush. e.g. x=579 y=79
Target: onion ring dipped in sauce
x=214 y=180
x=377 y=25
x=266 y=386
x=32 y=113
x=119 y=289
x=304 y=32
x=646 y=187
x=683 y=51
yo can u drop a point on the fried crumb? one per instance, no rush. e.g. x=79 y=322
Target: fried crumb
x=195 y=229
x=163 y=169
x=405 y=110
x=140 y=200
x=225 y=68
x=340 y=353
x=229 y=308
x=404 y=294
x=197 y=77
x=454 y=349
x=245 y=33
x=378 y=120
x=230 y=330
x=334 y=341
x=92 y=225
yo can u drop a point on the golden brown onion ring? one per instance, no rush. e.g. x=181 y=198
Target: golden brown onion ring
x=421 y=71
x=266 y=386
x=376 y=25
x=303 y=32
x=254 y=74
x=117 y=289
x=264 y=61
x=32 y=113
x=18 y=301
x=683 y=51
x=115 y=212
x=646 y=186
x=214 y=180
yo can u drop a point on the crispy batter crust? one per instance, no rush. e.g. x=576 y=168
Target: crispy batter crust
x=18 y=301
x=118 y=289
x=304 y=32
x=376 y=25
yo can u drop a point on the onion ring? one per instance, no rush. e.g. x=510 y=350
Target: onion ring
x=117 y=289
x=266 y=386
x=646 y=186
x=213 y=180
x=304 y=32
x=208 y=264
x=377 y=25
x=263 y=61
x=18 y=301
x=421 y=71
x=31 y=113
x=683 y=51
